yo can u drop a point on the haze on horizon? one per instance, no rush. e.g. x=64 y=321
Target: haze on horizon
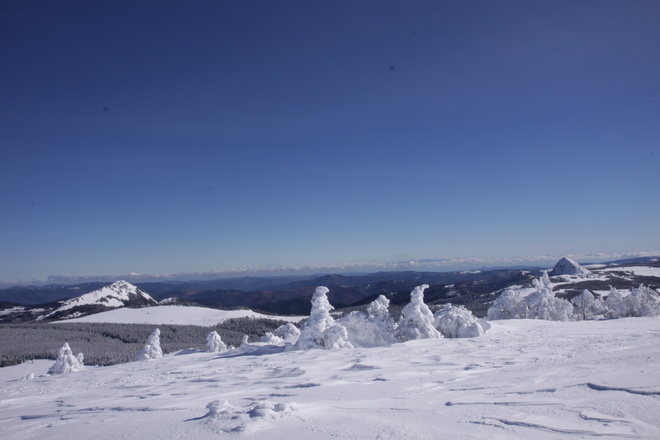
x=168 y=137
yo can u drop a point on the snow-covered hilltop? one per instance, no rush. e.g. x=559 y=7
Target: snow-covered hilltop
x=118 y=294
x=567 y=266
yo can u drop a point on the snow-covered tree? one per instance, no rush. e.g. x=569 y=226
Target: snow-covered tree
x=643 y=301
x=66 y=362
x=416 y=318
x=510 y=304
x=615 y=304
x=151 y=348
x=586 y=306
x=371 y=329
x=319 y=326
x=245 y=341
x=543 y=304
x=457 y=322
x=214 y=343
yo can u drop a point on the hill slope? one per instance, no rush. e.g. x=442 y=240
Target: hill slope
x=524 y=379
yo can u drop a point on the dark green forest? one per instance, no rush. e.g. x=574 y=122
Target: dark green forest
x=109 y=344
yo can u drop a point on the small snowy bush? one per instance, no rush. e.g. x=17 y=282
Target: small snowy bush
x=318 y=331
x=214 y=343
x=151 y=348
x=287 y=330
x=66 y=362
x=457 y=322
x=270 y=338
x=416 y=318
x=371 y=329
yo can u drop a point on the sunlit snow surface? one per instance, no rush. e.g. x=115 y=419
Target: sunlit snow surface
x=181 y=315
x=524 y=379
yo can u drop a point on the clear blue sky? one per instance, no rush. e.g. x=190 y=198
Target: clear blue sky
x=175 y=136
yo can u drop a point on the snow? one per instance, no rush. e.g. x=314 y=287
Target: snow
x=644 y=271
x=182 y=315
x=115 y=295
x=523 y=379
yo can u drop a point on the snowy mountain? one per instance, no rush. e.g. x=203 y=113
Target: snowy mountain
x=118 y=294
x=566 y=266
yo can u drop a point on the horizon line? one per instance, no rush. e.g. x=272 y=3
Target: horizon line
x=418 y=264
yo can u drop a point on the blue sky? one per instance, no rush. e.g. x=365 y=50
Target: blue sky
x=170 y=136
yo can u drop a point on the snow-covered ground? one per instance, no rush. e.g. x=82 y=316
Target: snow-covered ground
x=523 y=379
x=645 y=271
x=181 y=315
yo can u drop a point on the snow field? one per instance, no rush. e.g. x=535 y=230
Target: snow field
x=180 y=315
x=523 y=379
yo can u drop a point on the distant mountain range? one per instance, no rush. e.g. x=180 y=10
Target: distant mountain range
x=291 y=295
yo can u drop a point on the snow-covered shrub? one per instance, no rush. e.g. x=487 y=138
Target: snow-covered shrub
x=643 y=301
x=214 y=343
x=543 y=304
x=540 y=304
x=416 y=320
x=457 y=322
x=510 y=304
x=287 y=330
x=335 y=337
x=615 y=304
x=66 y=362
x=151 y=348
x=371 y=329
x=319 y=326
x=270 y=338
x=586 y=306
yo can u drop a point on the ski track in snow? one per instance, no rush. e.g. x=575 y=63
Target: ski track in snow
x=524 y=379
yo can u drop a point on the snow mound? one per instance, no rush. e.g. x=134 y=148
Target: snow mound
x=254 y=416
x=566 y=266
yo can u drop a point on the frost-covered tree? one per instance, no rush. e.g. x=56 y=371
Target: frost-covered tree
x=510 y=304
x=543 y=304
x=151 y=348
x=642 y=301
x=615 y=304
x=457 y=322
x=586 y=306
x=416 y=320
x=214 y=343
x=320 y=326
x=66 y=362
x=371 y=329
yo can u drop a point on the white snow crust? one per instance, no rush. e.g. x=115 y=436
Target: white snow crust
x=645 y=271
x=181 y=315
x=523 y=379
